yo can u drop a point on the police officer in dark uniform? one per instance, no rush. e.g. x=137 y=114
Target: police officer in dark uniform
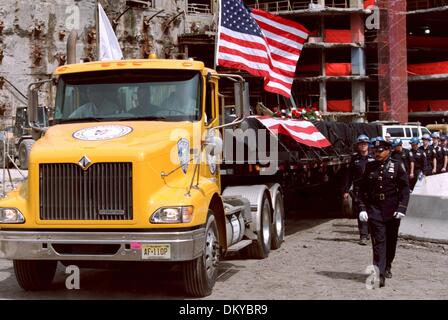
x=419 y=161
x=431 y=162
x=354 y=175
x=439 y=152
x=444 y=144
x=383 y=200
x=404 y=155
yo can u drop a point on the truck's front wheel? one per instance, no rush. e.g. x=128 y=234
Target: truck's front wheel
x=200 y=274
x=34 y=274
x=24 y=153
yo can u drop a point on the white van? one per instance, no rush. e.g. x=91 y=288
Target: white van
x=405 y=132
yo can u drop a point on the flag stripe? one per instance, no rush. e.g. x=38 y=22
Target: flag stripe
x=274 y=30
x=288 y=25
x=301 y=131
x=253 y=65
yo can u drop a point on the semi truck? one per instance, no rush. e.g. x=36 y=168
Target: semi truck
x=128 y=171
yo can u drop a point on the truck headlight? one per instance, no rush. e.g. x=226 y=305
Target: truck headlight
x=173 y=215
x=11 y=216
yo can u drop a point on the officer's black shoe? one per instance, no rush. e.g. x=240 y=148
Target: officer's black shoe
x=388 y=273
x=382 y=281
x=363 y=241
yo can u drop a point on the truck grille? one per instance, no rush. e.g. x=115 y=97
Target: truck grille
x=102 y=192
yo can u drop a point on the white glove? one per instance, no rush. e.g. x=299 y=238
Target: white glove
x=363 y=216
x=398 y=215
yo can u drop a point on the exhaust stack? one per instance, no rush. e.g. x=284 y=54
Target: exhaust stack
x=71 y=47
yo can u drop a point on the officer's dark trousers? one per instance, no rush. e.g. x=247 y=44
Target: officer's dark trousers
x=384 y=242
x=413 y=181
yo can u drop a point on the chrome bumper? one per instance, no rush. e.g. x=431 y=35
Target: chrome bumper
x=35 y=245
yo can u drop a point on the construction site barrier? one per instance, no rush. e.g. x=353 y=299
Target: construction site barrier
x=427 y=214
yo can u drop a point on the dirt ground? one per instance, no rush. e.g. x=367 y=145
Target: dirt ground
x=320 y=259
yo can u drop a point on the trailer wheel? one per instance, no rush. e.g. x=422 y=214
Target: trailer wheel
x=261 y=247
x=278 y=225
x=24 y=153
x=200 y=274
x=33 y=275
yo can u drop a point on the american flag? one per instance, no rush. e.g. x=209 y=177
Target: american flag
x=303 y=132
x=260 y=43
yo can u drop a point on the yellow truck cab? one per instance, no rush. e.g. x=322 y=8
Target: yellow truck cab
x=127 y=172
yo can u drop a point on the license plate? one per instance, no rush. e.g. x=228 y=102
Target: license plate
x=156 y=251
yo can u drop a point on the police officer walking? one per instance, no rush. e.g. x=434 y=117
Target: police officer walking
x=444 y=144
x=383 y=200
x=404 y=156
x=356 y=170
x=439 y=153
x=431 y=162
x=419 y=161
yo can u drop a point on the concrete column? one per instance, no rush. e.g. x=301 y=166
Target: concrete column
x=323 y=96
x=392 y=61
x=359 y=96
x=358 y=62
x=357 y=27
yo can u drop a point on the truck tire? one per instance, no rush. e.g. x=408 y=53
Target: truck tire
x=24 y=153
x=261 y=247
x=33 y=275
x=200 y=274
x=278 y=223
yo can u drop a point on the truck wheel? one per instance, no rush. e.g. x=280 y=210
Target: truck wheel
x=200 y=274
x=260 y=248
x=278 y=225
x=34 y=275
x=24 y=153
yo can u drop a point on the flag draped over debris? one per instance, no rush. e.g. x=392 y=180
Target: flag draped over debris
x=260 y=43
x=303 y=132
x=108 y=42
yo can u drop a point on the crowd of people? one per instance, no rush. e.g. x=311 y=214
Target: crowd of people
x=380 y=178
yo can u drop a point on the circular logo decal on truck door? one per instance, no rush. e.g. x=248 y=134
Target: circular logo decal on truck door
x=100 y=133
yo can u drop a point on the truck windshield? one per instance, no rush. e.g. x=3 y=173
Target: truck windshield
x=171 y=95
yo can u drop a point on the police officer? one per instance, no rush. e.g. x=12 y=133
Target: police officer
x=419 y=161
x=439 y=153
x=403 y=155
x=356 y=170
x=431 y=162
x=444 y=144
x=383 y=200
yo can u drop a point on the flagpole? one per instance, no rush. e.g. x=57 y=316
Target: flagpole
x=97 y=31
x=217 y=35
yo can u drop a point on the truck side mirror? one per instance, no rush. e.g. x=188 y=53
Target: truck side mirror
x=242 y=103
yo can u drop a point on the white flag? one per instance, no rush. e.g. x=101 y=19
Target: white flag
x=109 y=47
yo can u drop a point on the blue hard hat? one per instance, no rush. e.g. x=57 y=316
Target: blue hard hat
x=397 y=142
x=362 y=138
x=380 y=142
x=414 y=140
x=443 y=138
x=435 y=135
